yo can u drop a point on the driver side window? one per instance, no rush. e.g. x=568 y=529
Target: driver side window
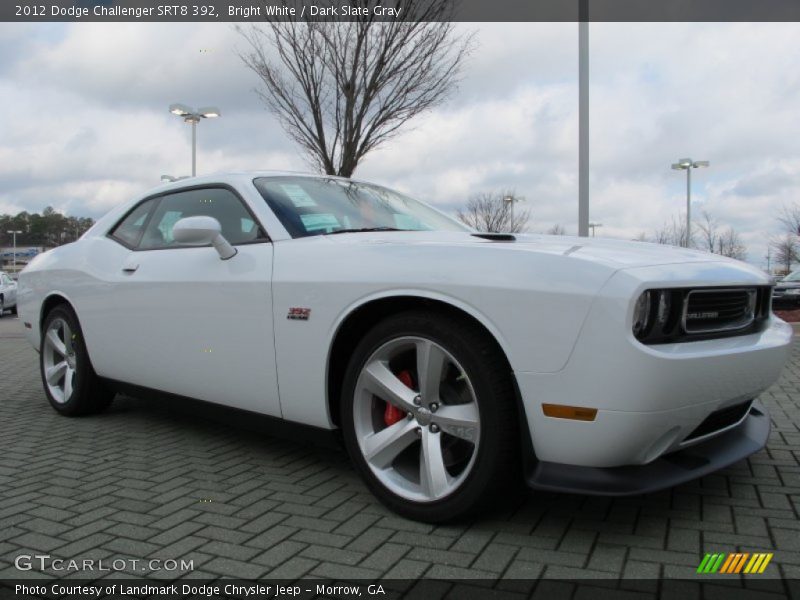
x=238 y=226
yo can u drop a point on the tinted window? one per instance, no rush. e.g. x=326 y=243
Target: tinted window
x=130 y=228
x=793 y=276
x=314 y=206
x=238 y=225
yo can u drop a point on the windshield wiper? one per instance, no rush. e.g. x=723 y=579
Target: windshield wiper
x=365 y=229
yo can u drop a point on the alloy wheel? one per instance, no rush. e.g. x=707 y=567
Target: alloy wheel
x=416 y=419
x=60 y=360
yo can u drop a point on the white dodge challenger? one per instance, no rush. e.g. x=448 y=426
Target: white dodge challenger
x=456 y=364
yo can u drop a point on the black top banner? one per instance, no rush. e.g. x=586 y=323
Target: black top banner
x=403 y=10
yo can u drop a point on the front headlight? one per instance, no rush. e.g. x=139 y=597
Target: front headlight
x=641 y=314
x=664 y=310
x=654 y=311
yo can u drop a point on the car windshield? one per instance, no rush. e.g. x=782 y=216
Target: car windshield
x=793 y=276
x=318 y=206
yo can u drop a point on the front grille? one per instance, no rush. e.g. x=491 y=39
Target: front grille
x=694 y=314
x=708 y=311
x=720 y=419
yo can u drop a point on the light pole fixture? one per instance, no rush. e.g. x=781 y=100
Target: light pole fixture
x=190 y=115
x=14 y=234
x=687 y=164
x=512 y=200
x=592 y=226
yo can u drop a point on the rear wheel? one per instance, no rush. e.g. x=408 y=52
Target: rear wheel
x=70 y=383
x=429 y=416
x=2 y=307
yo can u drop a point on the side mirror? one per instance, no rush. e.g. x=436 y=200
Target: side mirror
x=201 y=231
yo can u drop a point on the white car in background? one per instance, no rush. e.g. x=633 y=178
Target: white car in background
x=455 y=363
x=8 y=294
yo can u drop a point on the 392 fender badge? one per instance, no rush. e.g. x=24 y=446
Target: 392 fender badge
x=298 y=313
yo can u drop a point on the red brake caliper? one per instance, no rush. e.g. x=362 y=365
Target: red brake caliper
x=392 y=414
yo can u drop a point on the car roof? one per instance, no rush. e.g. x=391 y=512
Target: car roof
x=234 y=177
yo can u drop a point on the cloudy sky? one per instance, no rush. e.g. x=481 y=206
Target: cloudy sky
x=84 y=122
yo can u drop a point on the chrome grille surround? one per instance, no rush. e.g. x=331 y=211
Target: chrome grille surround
x=717 y=310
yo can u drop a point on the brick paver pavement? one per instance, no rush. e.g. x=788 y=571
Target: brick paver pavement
x=141 y=482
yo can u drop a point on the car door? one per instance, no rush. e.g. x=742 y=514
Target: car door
x=182 y=320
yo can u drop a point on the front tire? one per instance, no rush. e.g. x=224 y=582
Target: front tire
x=70 y=383
x=429 y=417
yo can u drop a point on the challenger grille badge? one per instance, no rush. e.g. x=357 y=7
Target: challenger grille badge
x=298 y=313
x=703 y=315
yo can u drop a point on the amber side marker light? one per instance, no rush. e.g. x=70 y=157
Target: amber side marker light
x=576 y=413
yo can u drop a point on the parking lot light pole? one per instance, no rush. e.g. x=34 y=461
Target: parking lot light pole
x=189 y=115
x=14 y=256
x=583 y=118
x=687 y=164
x=512 y=200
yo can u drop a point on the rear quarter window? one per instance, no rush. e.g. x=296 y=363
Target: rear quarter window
x=129 y=230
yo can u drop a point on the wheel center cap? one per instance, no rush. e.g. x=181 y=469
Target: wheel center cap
x=71 y=361
x=423 y=415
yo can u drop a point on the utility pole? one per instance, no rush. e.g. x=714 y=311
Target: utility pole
x=512 y=200
x=189 y=115
x=583 y=118
x=687 y=164
x=14 y=236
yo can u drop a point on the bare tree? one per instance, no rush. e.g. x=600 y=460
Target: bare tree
x=673 y=232
x=557 y=229
x=341 y=89
x=790 y=218
x=730 y=244
x=726 y=242
x=786 y=250
x=491 y=211
x=709 y=231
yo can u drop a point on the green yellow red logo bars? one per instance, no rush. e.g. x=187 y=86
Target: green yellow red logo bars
x=735 y=562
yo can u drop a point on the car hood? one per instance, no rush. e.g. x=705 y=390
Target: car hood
x=617 y=254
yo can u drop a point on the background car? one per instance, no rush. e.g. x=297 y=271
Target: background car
x=786 y=293
x=8 y=294
x=455 y=363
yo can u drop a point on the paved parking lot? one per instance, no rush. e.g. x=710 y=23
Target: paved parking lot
x=139 y=481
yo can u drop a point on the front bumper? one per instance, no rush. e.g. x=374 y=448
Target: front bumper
x=649 y=398
x=667 y=471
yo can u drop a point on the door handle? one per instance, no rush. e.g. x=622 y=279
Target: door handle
x=130 y=268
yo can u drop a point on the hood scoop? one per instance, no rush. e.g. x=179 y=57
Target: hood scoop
x=496 y=237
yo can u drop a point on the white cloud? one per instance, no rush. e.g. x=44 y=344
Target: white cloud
x=85 y=123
